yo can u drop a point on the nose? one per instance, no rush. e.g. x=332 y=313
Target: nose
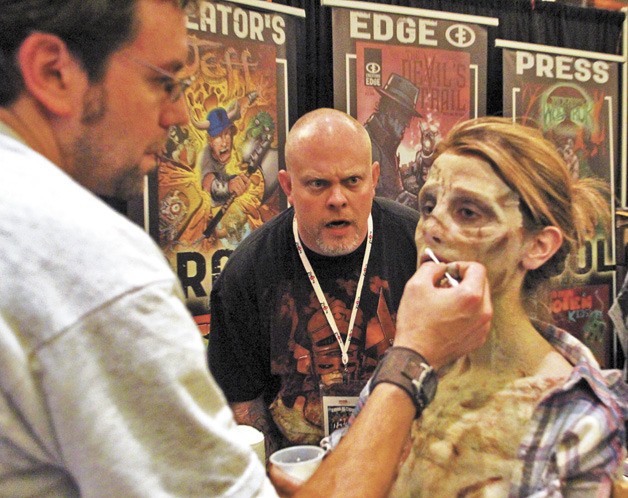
x=432 y=229
x=337 y=198
x=174 y=113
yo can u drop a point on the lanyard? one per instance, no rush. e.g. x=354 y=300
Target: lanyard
x=344 y=346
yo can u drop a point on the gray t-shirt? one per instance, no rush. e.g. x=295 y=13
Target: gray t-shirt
x=104 y=388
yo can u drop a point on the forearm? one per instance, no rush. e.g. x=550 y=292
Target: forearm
x=255 y=413
x=373 y=444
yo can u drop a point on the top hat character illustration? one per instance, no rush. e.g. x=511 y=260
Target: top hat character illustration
x=402 y=91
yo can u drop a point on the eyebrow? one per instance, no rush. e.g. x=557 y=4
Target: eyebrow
x=426 y=190
x=172 y=67
x=326 y=176
x=466 y=194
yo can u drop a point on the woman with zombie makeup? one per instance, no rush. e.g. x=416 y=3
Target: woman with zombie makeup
x=531 y=412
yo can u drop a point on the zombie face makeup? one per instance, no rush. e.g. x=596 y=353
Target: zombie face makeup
x=469 y=214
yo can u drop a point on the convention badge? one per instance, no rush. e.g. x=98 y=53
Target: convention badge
x=339 y=400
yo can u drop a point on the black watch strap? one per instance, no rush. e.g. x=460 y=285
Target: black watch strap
x=407 y=369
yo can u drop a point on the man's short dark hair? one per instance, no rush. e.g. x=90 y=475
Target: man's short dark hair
x=92 y=30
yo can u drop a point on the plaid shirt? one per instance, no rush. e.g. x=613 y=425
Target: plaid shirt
x=576 y=441
x=619 y=315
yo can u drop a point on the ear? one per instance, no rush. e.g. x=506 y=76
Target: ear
x=50 y=72
x=286 y=183
x=541 y=247
x=375 y=170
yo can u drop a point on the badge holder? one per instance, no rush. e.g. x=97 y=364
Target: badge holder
x=339 y=400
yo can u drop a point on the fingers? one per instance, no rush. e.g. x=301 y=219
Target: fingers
x=284 y=484
x=471 y=271
x=239 y=184
x=440 y=321
x=453 y=270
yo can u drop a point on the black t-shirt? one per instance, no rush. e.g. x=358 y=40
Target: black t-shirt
x=268 y=332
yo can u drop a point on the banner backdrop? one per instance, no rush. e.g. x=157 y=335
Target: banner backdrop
x=217 y=178
x=572 y=96
x=409 y=75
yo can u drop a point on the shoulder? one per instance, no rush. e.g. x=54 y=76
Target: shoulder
x=586 y=415
x=581 y=435
x=394 y=243
x=54 y=212
x=553 y=364
x=267 y=245
x=392 y=212
x=67 y=246
x=589 y=388
x=592 y=434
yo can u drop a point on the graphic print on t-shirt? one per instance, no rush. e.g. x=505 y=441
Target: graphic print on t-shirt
x=306 y=354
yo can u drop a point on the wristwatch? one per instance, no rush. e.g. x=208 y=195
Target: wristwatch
x=407 y=369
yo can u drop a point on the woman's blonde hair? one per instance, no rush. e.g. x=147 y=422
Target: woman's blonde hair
x=532 y=167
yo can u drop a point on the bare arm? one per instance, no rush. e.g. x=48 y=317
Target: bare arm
x=453 y=321
x=255 y=413
x=375 y=441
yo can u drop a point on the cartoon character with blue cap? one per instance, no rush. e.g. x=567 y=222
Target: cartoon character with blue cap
x=216 y=156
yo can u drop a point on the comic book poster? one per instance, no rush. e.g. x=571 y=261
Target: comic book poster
x=216 y=180
x=619 y=307
x=583 y=311
x=408 y=75
x=571 y=96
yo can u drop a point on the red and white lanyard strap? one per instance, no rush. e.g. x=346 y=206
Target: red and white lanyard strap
x=344 y=346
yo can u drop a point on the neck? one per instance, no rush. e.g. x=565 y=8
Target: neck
x=513 y=344
x=27 y=120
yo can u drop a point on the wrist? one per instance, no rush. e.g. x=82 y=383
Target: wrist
x=396 y=396
x=411 y=372
x=430 y=355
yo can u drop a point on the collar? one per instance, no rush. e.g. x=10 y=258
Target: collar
x=606 y=384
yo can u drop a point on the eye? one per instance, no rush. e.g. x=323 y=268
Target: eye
x=169 y=85
x=353 y=180
x=426 y=207
x=317 y=184
x=172 y=86
x=469 y=213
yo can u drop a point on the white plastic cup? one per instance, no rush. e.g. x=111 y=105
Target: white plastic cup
x=298 y=461
x=254 y=438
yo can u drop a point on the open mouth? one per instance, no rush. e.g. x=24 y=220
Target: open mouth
x=338 y=224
